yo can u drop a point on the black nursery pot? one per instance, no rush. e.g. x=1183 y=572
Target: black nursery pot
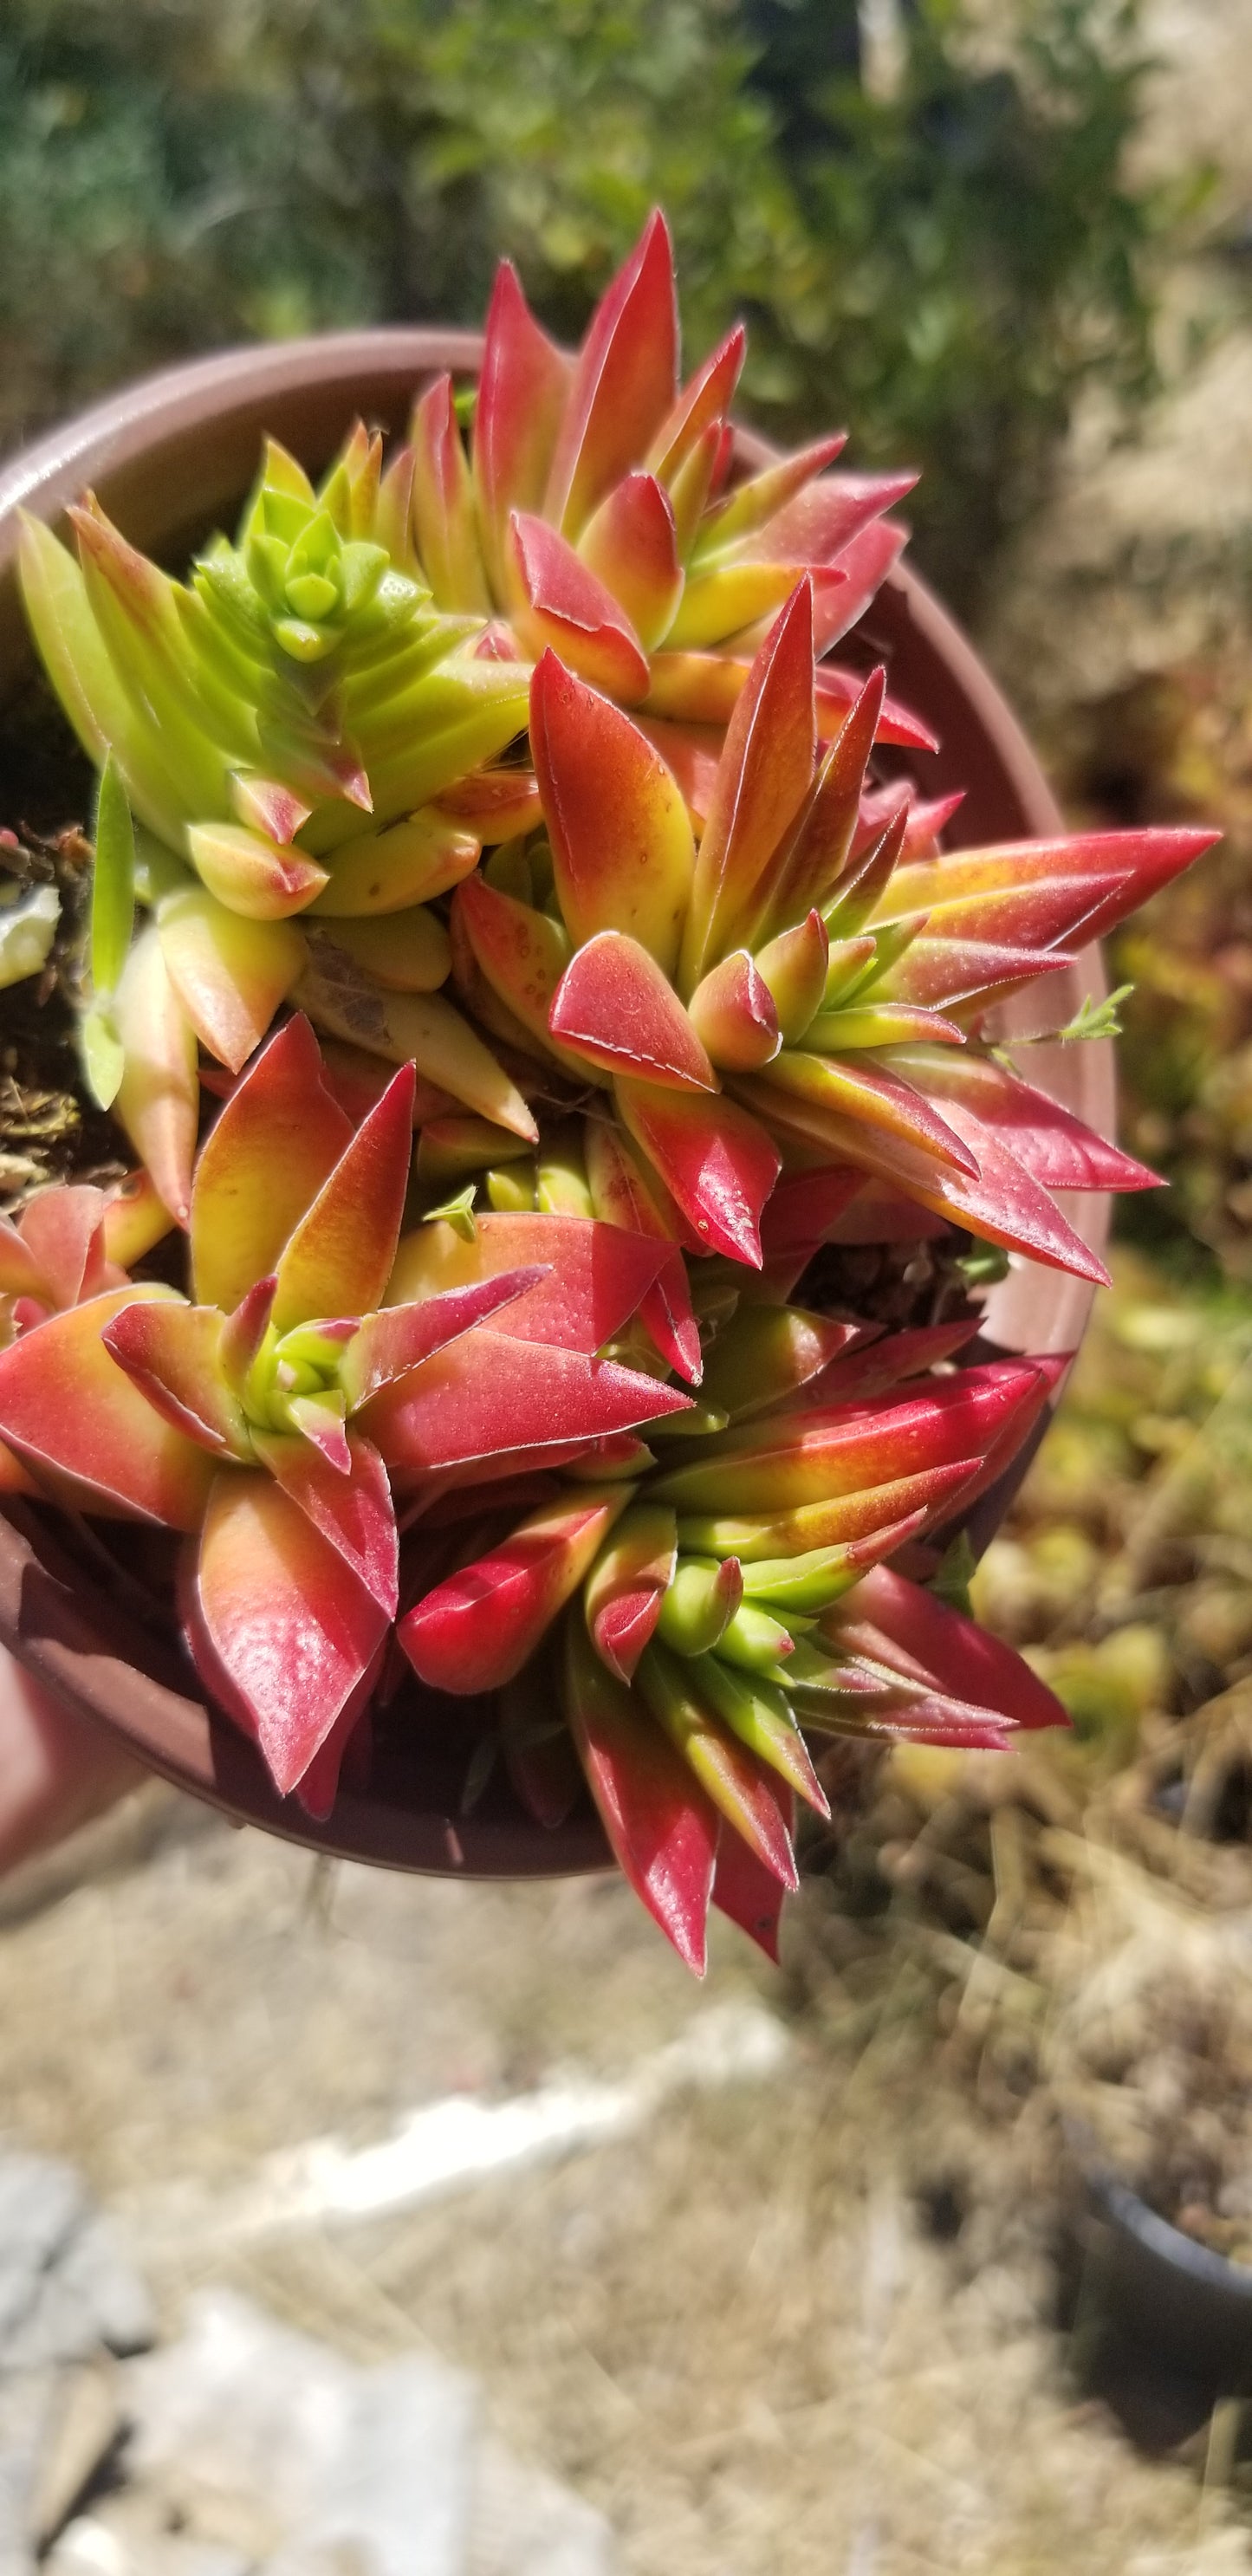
x=170 y=458
x=1173 y=2311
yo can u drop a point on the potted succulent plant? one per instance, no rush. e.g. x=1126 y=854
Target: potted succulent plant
x=508 y=789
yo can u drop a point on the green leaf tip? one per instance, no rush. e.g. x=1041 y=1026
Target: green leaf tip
x=113 y=883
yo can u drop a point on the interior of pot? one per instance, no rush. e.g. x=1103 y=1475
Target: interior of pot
x=197 y=429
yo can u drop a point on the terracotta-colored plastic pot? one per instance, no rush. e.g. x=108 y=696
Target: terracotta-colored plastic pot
x=171 y=458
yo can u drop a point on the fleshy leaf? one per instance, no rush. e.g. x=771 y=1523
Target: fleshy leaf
x=794 y=967
x=338 y=1259
x=628 y=1583
x=1057 y=1149
x=158 y=1098
x=623 y=383
x=767 y=1352
x=523 y=953
x=660 y=1824
x=589 y=1277
x=489 y=1395
x=275 y=1143
x=264 y=880
x=353 y=1510
x=389 y=871
x=390 y=1343
x=229 y=974
x=173 y=1354
x=293 y=1627
x=788 y=1460
x=748 y=1893
x=68 y=1409
x=112 y=880
x=615 y=1007
x=60 y=1230
x=762 y=780
x=630 y=544
x=562 y=604
x=863 y=1090
x=476 y=1629
x=521 y=397
x=732 y=1012
x=939 y=1643
x=443 y=505
x=718 y=1163
x=622 y=843
x=723 y=1766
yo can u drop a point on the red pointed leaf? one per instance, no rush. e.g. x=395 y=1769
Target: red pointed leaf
x=478 y=1628
x=68 y=1409
x=739 y=1785
x=838 y=689
x=747 y=1892
x=339 y=1257
x=588 y=1277
x=521 y=953
x=732 y=1011
x=865 y=564
x=940 y=1644
x=763 y=777
x=320 y=1420
x=616 y=1007
x=1003 y=1205
x=443 y=505
x=864 y=1089
x=804 y=1205
x=661 y=1825
x=173 y=1353
x=824 y=834
x=622 y=844
x=244 y=1331
x=1057 y=1149
x=275 y=1143
x=631 y=546
x=353 y=1511
x=488 y=1395
x=623 y=384
x=63 y=1231
x=820 y=522
x=787 y=1460
x=1125 y=867
x=293 y=1627
x=670 y=1318
x=563 y=604
x=400 y=1337
x=702 y=404
x=715 y=1160
x=521 y=397
x=875 y=1366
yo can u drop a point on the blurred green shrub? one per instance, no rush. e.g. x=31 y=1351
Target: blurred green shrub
x=930 y=236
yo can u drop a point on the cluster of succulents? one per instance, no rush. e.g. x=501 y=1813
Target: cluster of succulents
x=536 y=1406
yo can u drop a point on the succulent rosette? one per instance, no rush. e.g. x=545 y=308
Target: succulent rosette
x=726 y=1593
x=595 y=513
x=803 y=986
x=545 y=1410
x=283 y=727
x=268 y=1415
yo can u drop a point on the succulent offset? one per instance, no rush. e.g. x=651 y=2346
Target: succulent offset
x=533 y=1396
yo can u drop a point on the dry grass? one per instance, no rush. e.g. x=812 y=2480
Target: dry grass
x=734 y=2331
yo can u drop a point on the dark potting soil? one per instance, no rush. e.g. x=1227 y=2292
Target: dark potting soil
x=49 y=1129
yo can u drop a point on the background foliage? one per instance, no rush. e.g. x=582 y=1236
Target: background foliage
x=934 y=241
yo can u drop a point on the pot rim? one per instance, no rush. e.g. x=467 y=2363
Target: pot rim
x=196 y=426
